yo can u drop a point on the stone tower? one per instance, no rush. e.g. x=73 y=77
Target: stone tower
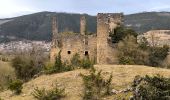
x=106 y=22
x=83 y=25
x=54 y=44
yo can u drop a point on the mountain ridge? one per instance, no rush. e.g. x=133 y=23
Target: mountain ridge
x=37 y=26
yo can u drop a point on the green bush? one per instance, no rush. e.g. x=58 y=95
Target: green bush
x=132 y=53
x=58 y=66
x=129 y=52
x=151 y=88
x=75 y=60
x=54 y=94
x=86 y=63
x=120 y=33
x=95 y=86
x=16 y=86
x=82 y=63
x=157 y=55
x=5 y=59
x=26 y=67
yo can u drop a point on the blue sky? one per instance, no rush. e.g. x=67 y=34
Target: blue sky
x=11 y=8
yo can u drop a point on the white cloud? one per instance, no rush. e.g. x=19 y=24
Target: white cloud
x=9 y=8
x=159 y=8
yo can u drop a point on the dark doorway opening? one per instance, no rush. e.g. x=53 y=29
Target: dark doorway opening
x=69 y=52
x=86 y=53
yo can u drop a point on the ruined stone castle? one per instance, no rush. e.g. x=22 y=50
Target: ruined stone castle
x=96 y=46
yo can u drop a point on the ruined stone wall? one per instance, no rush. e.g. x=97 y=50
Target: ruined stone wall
x=73 y=44
x=95 y=47
x=54 y=44
x=83 y=25
x=92 y=47
x=106 y=22
x=102 y=34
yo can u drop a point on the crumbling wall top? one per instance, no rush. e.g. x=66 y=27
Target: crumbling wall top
x=110 y=17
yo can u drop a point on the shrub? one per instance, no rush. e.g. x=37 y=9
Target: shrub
x=86 y=63
x=58 y=63
x=75 y=60
x=16 y=86
x=120 y=33
x=5 y=59
x=157 y=55
x=58 y=66
x=26 y=67
x=143 y=43
x=95 y=86
x=54 y=94
x=151 y=88
x=166 y=62
x=129 y=52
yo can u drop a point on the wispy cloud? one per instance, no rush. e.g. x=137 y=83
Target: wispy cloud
x=10 y=8
x=161 y=8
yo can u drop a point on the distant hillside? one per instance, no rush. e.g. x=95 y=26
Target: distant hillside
x=2 y=21
x=37 y=26
x=142 y=22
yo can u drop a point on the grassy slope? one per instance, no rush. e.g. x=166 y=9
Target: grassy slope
x=5 y=70
x=122 y=77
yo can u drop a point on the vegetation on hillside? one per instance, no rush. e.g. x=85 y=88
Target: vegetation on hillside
x=134 y=53
x=16 y=86
x=145 y=21
x=62 y=66
x=123 y=76
x=28 y=65
x=95 y=86
x=151 y=88
x=58 y=67
x=130 y=53
x=6 y=74
x=120 y=33
x=53 y=94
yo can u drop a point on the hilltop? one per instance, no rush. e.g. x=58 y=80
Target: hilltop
x=37 y=26
x=123 y=76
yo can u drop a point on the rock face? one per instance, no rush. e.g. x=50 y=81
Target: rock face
x=95 y=46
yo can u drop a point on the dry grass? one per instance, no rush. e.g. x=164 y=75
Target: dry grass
x=5 y=70
x=123 y=75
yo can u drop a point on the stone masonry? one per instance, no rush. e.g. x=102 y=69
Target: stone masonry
x=83 y=25
x=95 y=46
